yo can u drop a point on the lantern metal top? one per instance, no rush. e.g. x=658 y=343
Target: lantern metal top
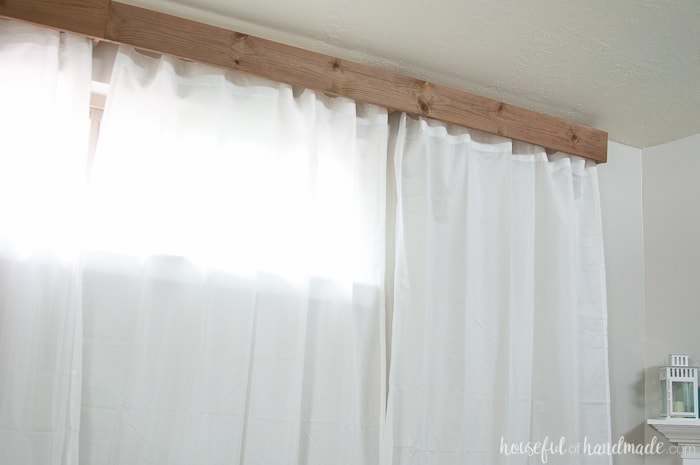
x=677 y=360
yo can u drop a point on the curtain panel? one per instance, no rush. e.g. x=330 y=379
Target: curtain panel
x=44 y=98
x=500 y=316
x=233 y=291
x=248 y=278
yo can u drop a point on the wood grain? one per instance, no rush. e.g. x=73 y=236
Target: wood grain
x=216 y=46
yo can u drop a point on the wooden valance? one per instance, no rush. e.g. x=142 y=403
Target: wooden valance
x=161 y=33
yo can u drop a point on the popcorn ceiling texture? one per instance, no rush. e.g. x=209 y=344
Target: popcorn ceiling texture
x=630 y=67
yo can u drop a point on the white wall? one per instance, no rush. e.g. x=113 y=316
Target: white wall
x=650 y=203
x=671 y=198
x=621 y=207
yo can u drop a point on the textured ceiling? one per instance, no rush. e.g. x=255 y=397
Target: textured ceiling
x=630 y=67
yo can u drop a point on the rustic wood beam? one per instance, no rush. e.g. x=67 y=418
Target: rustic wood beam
x=161 y=33
x=86 y=17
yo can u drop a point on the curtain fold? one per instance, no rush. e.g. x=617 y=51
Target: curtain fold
x=499 y=333
x=45 y=91
x=234 y=301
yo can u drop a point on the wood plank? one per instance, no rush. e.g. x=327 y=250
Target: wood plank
x=200 y=42
x=220 y=47
x=86 y=17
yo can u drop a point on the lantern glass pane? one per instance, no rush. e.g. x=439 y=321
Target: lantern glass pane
x=683 y=396
x=664 y=393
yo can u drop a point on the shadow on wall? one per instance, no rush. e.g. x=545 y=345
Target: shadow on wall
x=636 y=434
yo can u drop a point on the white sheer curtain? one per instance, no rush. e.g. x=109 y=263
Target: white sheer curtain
x=499 y=334
x=227 y=305
x=44 y=95
x=233 y=293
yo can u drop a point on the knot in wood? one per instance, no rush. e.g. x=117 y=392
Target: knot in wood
x=424 y=106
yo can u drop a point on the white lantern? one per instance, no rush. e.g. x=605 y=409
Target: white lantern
x=678 y=387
